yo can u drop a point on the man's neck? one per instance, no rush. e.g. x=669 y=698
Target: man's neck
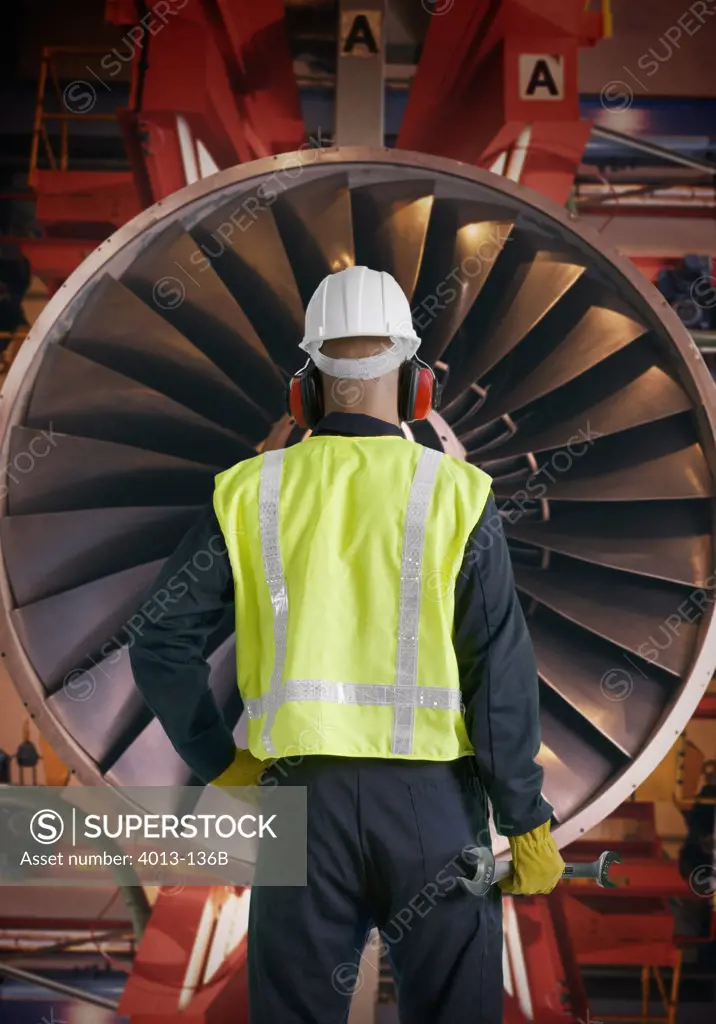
x=356 y=425
x=357 y=410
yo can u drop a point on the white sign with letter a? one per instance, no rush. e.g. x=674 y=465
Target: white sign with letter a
x=541 y=76
x=361 y=33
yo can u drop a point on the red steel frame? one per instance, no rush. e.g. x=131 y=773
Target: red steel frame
x=468 y=75
x=225 y=67
x=221 y=68
x=166 y=980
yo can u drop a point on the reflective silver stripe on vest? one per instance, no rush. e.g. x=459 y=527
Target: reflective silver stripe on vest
x=269 y=490
x=406 y=669
x=368 y=694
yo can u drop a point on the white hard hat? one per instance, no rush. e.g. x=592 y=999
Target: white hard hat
x=359 y=303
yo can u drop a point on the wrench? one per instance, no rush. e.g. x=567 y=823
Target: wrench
x=488 y=871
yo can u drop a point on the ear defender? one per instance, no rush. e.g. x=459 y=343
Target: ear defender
x=294 y=403
x=418 y=393
x=425 y=393
x=304 y=396
x=417 y=390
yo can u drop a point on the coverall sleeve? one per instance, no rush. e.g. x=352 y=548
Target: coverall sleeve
x=498 y=679
x=191 y=595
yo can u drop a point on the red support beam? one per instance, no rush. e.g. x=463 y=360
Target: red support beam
x=54 y=259
x=100 y=197
x=542 y=976
x=706 y=707
x=255 y=47
x=493 y=68
x=182 y=971
x=553 y=157
x=213 y=76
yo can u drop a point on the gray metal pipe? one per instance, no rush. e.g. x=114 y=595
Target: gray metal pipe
x=653 y=150
x=66 y=945
x=689 y=197
x=57 y=986
x=705 y=341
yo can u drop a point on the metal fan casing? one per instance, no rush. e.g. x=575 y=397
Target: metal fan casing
x=200 y=208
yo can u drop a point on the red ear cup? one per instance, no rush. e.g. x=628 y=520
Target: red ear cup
x=304 y=396
x=295 y=401
x=424 y=393
x=416 y=390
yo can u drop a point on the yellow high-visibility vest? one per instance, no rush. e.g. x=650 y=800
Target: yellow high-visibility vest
x=345 y=552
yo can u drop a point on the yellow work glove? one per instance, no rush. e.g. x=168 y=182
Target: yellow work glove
x=538 y=864
x=244 y=770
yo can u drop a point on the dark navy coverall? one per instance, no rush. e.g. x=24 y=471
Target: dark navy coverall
x=385 y=837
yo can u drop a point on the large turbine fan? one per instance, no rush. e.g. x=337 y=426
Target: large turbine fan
x=566 y=376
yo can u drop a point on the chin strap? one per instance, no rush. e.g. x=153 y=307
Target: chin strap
x=367 y=368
